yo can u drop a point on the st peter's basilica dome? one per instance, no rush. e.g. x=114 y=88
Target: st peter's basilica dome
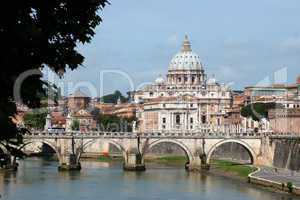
x=186 y=59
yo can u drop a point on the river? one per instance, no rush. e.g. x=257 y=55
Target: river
x=39 y=179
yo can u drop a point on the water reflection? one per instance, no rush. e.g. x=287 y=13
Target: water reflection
x=40 y=179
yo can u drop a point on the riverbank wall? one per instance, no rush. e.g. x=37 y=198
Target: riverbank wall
x=271 y=184
x=287 y=154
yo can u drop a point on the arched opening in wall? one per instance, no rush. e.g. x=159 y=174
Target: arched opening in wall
x=104 y=151
x=41 y=150
x=166 y=154
x=114 y=151
x=231 y=156
x=114 y=154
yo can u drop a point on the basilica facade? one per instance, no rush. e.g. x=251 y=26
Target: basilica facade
x=186 y=99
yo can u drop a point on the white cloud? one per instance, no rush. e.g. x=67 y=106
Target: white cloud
x=291 y=43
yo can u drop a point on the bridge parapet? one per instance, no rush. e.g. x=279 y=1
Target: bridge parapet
x=102 y=134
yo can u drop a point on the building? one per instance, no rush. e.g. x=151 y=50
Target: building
x=285 y=121
x=77 y=101
x=185 y=100
x=286 y=94
x=85 y=119
x=58 y=120
x=123 y=110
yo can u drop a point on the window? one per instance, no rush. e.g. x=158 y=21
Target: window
x=185 y=79
x=151 y=94
x=192 y=104
x=203 y=119
x=191 y=127
x=193 y=79
x=191 y=120
x=179 y=79
x=164 y=105
x=163 y=126
x=177 y=119
x=163 y=120
x=219 y=121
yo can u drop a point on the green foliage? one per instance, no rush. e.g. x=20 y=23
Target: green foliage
x=290 y=186
x=170 y=160
x=36 y=34
x=105 y=158
x=75 y=125
x=115 y=123
x=35 y=119
x=95 y=113
x=232 y=167
x=257 y=111
x=52 y=93
x=113 y=98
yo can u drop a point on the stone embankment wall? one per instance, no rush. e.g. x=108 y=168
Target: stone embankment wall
x=287 y=154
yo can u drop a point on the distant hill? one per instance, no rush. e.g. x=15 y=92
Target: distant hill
x=113 y=98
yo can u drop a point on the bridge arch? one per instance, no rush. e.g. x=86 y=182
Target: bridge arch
x=92 y=141
x=3 y=149
x=43 y=142
x=248 y=148
x=173 y=141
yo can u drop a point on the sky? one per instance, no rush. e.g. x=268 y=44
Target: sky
x=241 y=43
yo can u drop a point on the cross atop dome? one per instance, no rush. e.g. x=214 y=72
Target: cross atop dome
x=186 y=46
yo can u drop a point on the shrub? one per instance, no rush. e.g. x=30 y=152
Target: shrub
x=290 y=186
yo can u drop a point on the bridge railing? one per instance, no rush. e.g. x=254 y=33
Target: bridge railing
x=165 y=134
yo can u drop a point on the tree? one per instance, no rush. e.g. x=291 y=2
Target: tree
x=34 y=35
x=35 y=119
x=113 y=98
x=257 y=111
x=75 y=125
x=95 y=113
x=53 y=93
x=115 y=123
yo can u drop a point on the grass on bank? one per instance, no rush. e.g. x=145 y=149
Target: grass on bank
x=168 y=159
x=238 y=169
x=108 y=158
x=229 y=167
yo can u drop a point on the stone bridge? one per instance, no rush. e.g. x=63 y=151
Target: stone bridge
x=198 y=147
